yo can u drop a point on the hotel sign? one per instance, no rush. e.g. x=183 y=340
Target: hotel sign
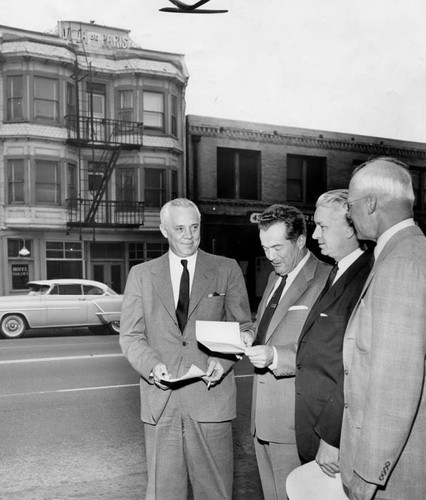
x=94 y=36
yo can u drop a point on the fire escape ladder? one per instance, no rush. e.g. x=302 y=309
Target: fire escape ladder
x=109 y=159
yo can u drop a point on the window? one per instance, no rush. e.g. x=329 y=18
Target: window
x=47 y=187
x=126 y=186
x=95 y=176
x=155 y=187
x=64 y=259
x=174 y=116
x=238 y=173
x=174 y=185
x=306 y=178
x=141 y=252
x=71 y=99
x=153 y=110
x=16 y=181
x=419 y=186
x=125 y=105
x=72 y=181
x=46 y=99
x=15 y=94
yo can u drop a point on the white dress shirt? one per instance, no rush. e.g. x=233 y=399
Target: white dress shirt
x=176 y=270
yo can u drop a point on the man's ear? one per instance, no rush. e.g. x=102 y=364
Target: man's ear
x=301 y=241
x=163 y=230
x=371 y=203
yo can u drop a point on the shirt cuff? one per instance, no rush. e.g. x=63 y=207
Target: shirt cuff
x=274 y=365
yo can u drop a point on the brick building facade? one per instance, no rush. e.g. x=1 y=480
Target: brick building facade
x=236 y=169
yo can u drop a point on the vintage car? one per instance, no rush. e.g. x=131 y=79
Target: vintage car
x=61 y=303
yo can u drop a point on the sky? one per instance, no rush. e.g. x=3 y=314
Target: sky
x=353 y=66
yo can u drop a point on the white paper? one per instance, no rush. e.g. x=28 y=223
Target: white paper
x=220 y=336
x=193 y=372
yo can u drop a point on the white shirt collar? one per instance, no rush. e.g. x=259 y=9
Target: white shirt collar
x=387 y=235
x=347 y=261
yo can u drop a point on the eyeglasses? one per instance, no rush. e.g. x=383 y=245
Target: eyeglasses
x=348 y=204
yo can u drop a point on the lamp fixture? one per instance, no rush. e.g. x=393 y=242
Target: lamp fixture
x=24 y=252
x=184 y=8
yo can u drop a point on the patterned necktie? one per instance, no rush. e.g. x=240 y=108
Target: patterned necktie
x=268 y=313
x=183 y=302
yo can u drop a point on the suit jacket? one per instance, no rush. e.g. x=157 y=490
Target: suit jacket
x=272 y=416
x=319 y=364
x=149 y=332
x=384 y=424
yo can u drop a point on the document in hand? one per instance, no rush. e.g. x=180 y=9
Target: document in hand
x=220 y=336
x=193 y=372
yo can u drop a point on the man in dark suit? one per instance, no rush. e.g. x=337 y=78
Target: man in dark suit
x=187 y=425
x=293 y=287
x=319 y=363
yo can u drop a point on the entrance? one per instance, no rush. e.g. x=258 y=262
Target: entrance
x=110 y=273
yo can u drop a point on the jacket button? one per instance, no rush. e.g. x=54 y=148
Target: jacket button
x=184 y=344
x=298 y=366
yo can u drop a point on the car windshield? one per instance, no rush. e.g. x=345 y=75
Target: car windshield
x=36 y=289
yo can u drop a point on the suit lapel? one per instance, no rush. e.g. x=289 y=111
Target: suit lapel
x=335 y=291
x=296 y=289
x=163 y=285
x=205 y=271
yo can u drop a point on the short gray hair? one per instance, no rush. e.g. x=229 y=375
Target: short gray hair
x=385 y=176
x=333 y=197
x=177 y=202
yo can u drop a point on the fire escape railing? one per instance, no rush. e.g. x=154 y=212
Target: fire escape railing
x=110 y=137
x=87 y=130
x=125 y=214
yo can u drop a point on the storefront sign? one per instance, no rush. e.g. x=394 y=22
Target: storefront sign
x=20 y=276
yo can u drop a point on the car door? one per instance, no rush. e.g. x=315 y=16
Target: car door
x=66 y=306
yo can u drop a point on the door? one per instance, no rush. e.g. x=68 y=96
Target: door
x=96 y=105
x=110 y=273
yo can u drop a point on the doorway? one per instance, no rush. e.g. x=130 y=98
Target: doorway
x=110 y=273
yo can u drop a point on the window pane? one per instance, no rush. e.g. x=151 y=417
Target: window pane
x=16 y=181
x=14 y=97
x=155 y=190
x=315 y=179
x=248 y=167
x=153 y=110
x=47 y=185
x=46 y=103
x=225 y=173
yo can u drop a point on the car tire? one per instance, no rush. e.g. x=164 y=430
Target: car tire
x=114 y=327
x=13 y=326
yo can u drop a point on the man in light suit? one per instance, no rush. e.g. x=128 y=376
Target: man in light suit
x=319 y=363
x=383 y=442
x=187 y=425
x=282 y=232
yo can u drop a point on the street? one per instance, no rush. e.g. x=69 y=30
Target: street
x=70 y=424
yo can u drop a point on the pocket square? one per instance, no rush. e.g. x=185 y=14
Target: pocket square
x=297 y=308
x=323 y=315
x=216 y=294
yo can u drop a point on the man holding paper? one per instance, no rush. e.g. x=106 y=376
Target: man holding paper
x=187 y=424
x=292 y=288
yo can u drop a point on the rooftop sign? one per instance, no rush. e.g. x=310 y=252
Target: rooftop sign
x=94 y=36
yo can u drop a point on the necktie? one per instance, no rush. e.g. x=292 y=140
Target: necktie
x=329 y=281
x=183 y=302
x=268 y=313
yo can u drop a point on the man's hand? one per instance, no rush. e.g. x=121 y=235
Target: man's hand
x=261 y=356
x=160 y=372
x=328 y=458
x=247 y=338
x=360 y=489
x=214 y=372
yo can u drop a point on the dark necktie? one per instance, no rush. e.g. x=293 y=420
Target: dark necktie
x=329 y=281
x=268 y=313
x=183 y=302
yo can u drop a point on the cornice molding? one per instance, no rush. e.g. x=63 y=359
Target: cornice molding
x=241 y=134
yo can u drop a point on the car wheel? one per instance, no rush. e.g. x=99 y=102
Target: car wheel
x=12 y=326
x=114 y=327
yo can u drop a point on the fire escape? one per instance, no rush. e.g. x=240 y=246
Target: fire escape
x=102 y=140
